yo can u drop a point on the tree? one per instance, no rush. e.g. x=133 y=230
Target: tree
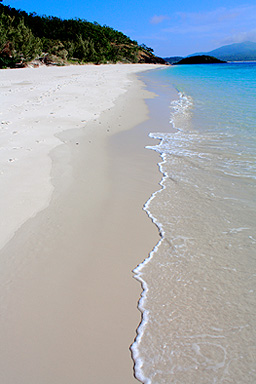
x=24 y=36
x=148 y=49
x=25 y=46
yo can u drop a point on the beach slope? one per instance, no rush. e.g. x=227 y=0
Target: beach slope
x=74 y=178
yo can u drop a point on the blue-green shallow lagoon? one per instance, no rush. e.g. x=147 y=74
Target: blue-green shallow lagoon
x=199 y=303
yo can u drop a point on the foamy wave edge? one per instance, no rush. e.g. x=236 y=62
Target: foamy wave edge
x=138 y=276
x=179 y=106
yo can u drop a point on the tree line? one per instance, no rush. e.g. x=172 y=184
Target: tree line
x=24 y=37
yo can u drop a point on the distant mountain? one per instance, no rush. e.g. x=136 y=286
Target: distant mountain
x=201 y=59
x=173 y=59
x=234 y=52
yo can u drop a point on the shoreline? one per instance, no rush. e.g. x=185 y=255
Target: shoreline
x=38 y=105
x=198 y=298
x=69 y=299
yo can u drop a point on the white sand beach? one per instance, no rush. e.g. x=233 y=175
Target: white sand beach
x=72 y=226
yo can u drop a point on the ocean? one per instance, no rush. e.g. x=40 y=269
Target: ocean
x=198 y=303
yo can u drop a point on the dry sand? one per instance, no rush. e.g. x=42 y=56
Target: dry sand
x=72 y=226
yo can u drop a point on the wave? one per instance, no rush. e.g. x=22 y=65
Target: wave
x=179 y=107
x=197 y=308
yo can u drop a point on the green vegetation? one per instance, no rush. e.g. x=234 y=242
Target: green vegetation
x=25 y=37
x=201 y=59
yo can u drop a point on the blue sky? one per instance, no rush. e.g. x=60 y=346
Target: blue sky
x=170 y=27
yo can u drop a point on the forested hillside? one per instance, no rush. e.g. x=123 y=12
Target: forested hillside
x=51 y=40
x=200 y=59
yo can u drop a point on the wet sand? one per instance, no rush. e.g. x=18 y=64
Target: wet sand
x=68 y=296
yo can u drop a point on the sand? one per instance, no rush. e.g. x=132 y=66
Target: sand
x=74 y=178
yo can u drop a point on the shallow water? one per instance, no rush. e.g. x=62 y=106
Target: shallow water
x=198 y=302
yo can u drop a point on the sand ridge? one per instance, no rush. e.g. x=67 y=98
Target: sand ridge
x=37 y=105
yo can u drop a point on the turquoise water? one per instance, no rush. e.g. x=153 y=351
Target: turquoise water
x=198 y=302
x=223 y=97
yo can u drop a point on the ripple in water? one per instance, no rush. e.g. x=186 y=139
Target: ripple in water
x=198 y=301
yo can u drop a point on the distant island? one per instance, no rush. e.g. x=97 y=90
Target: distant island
x=29 y=38
x=245 y=51
x=201 y=59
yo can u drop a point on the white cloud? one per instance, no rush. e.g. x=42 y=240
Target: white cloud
x=190 y=32
x=219 y=21
x=239 y=37
x=218 y=15
x=158 y=19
